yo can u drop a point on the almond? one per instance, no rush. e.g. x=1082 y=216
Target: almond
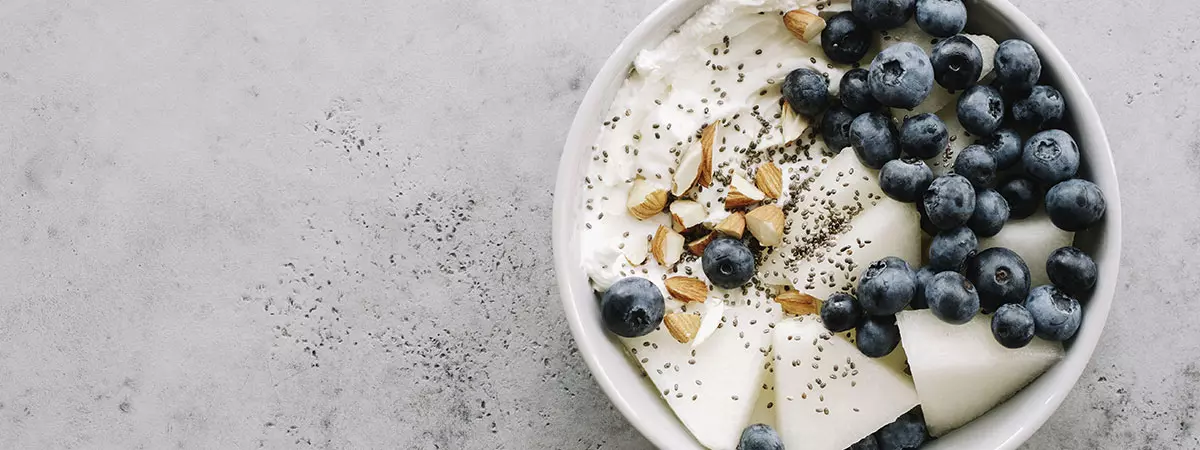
x=707 y=138
x=766 y=224
x=742 y=193
x=803 y=24
x=688 y=172
x=683 y=326
x=667 y=246
x=769 y=179
x=645 y=199
x=686 y=214
x=795 y=302
x=734 y=225
x=792 y=125
x=697 y=246
x=687 y=289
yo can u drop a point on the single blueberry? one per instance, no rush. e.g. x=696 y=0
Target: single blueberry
x=840 y=312
x=1043 y=108
x=924 y=136
x=923 y=276
x=905 y=179
x=949 y=202
x=1072 y=270
x=976 y=165
x=1075 y=205
x=760 y=437
x=845 y=39
x=906 y=433
x=950 y=249
x=952 y=298
x=1051 y=156
x=980 y=110
x=728 y=263
x=632 y=307
x=874 y=139
x=886 y=286
x=807 y=91
x=1023 y=196
x=835 y=127
x=1056 y=315
x=926 y=224
x=1000 y=276
x=882 y=14
x=991 y=212
x=1005 y=147
x=1018 y=67
x=957 y=61
x=855 y=92
x=867 y=443
x=1012 y=325
x=877 y=336
x=901 y=76
x=941 y=18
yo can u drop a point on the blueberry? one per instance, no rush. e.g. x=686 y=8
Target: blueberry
x=632 y=307
x=1051 y=156
x=1041 y=109
x=907 y=432
x=923 y=276
x=949 y=201
x=1005 y=147
x=980 y=110
x=1012 y=325
x=840 y=312
x=867 y=443
x=924 y=136
x=941 y=18
x=728 y=263
x=873 y=137
x=886 y=286
x=957 y=62
x=856 y=93
x=760 y=437
x=1056 y=315
x=1023 y=196
x=905 y=179
x=1017 y=66
x=926 y=224
x=807 y=91
x=1071 y=270
x=976 y=165
x=845 y=39
x=991 y=212
x=882 y=14
x=835 y=127
x=1075 y=205
x=1000 y=276
x=950 y=249
x=952 y=298
x=877 y=336
x=901 y=76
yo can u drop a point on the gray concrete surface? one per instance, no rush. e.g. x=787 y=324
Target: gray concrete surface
x=293 y=224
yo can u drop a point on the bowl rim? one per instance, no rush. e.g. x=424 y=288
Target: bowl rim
x=1056 y=382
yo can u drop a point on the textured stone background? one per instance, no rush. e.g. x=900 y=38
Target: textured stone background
x=292 y=224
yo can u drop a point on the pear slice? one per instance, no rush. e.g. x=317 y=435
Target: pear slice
x=1033 y=239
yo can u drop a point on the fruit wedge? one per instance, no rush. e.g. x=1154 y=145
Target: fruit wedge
x=961 y=372
x=939 y=97
x=1033 y=238
x=828 y=395
x=959 y=139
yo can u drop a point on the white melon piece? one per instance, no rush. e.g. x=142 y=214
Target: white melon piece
x=713 y=388
x=961 y=371
x=1033 y=239
x=959 y=139
x=987 y=48
x=828 y=395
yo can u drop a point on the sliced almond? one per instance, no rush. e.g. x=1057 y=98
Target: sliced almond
x=769 y=179
x=686 y=214
x=793 y=125
x=683 y=326
x=734 y=225
x=804 y=25
x=635 y=248
x=742 y=193
x=795 y=302
x=688 y=172
x=766 y=224
x=645 y=199
x=707 y=138
x=697 y=246
x=687 y=289
x=667 y=246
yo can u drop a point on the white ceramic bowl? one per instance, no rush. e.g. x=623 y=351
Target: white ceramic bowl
x=1004 y=427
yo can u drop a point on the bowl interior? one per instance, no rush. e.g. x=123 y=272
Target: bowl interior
x=1004 y=427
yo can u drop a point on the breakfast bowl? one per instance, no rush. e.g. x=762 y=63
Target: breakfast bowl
x=1005 y=426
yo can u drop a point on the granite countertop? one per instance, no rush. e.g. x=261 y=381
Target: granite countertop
x=293 y=224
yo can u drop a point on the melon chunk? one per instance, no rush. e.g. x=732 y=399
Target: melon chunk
x=1033 y=239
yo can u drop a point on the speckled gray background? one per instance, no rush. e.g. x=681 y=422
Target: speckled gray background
x=292 y=224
